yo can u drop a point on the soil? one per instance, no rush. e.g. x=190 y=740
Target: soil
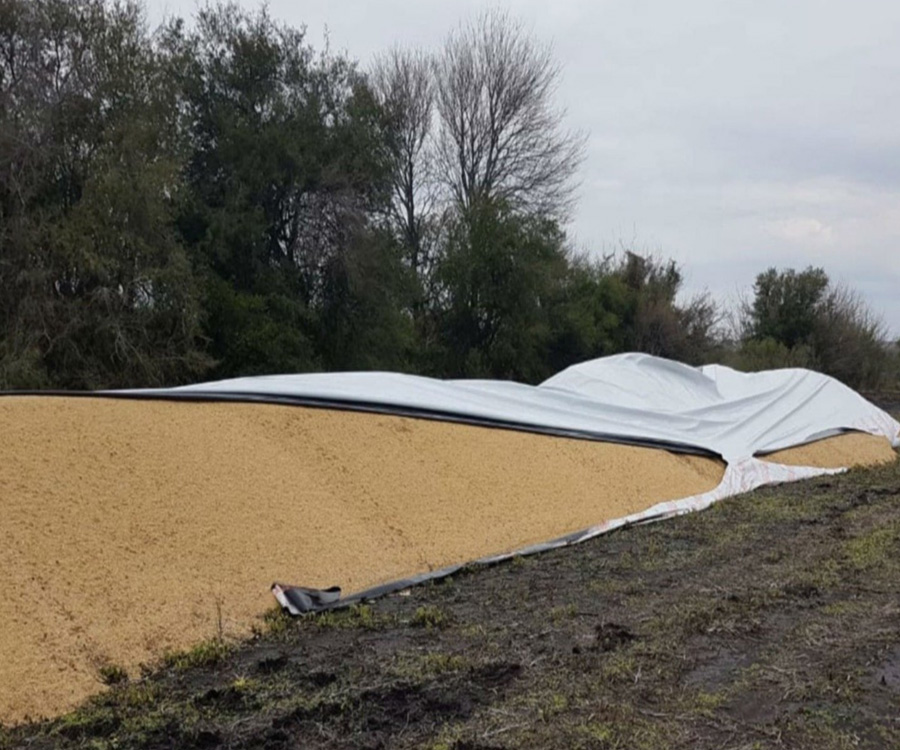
x=770 y=620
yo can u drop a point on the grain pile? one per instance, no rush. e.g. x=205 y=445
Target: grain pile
x=134 y=527
x=849 y=449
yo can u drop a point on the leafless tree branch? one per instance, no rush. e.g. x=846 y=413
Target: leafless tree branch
x=403 y=85
x=500 y=136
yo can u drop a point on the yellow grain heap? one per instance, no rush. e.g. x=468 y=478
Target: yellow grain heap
x=127 y=526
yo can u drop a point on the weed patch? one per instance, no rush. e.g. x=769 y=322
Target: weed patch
x=429 y=617
x=204 y=654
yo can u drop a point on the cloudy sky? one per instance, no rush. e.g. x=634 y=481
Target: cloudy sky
x=731 y=135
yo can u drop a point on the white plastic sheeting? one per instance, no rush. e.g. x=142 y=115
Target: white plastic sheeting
x=630 y=397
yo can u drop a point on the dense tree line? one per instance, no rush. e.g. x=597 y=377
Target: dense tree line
x=221 y=198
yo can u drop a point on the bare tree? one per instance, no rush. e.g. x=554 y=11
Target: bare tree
x=402 y=82
x=850 y=340
x=501 y=137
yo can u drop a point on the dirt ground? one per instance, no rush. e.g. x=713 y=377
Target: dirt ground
x=771 y=620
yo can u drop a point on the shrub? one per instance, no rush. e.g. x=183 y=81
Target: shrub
x=803 y=320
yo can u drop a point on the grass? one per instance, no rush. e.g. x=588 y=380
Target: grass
x=354 y=616
x=112 y=674
x=429 y=616
x=877 y=548
x=204 y=654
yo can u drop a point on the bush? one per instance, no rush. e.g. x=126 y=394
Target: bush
x=769 y=354
x=657 y=323
x=803 y=320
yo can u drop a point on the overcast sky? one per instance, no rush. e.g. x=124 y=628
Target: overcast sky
x=730 y=135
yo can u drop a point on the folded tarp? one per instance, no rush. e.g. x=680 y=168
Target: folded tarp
x=630 y=398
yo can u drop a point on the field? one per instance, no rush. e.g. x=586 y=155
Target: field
x=771 y=620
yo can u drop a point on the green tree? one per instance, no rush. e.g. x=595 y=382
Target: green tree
x=655 y=321
x=287 y=167
x=95 y=289
x=587 y=319
x=785 y=305
x=850 y=343
x=365 y=322
x=802 y=319
x=498 y=280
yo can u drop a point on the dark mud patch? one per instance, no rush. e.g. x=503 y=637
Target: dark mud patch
x=715 y=671
x=610 y=636
x=887 y=674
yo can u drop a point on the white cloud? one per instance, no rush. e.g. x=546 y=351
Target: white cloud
x=801 y=229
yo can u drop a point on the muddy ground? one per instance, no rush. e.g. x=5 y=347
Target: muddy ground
x=770 y=620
